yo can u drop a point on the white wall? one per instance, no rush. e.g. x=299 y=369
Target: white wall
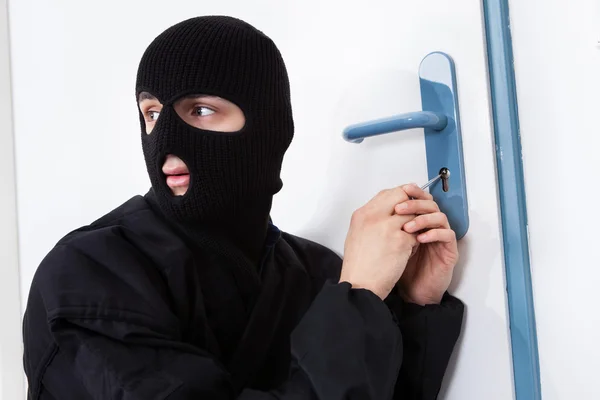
x=11 y=372
x=557 y=63
x=79 y=154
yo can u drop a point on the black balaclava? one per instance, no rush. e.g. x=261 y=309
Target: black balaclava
x=233 y=176
x=225 y=57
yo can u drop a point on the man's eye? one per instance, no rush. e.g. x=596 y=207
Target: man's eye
x=153 y=115
x=203 y=111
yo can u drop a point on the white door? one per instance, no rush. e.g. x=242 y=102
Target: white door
x=77 y=135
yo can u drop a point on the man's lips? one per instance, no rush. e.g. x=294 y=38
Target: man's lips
x=177 y=175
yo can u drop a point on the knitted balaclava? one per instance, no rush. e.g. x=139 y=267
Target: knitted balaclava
x=225 y=57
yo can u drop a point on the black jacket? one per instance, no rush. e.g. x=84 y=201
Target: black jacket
x=131 y=308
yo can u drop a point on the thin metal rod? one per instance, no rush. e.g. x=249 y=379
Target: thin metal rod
x=431 y=182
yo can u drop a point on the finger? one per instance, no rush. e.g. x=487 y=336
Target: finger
x=398 y=221
x=427 y=221
x=417 y=207
x=416 y=192
x=437 y=235
x=386 y=200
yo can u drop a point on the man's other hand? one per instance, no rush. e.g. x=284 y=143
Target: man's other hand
x=429 y=271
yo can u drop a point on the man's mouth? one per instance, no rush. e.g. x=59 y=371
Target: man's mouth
x=177 y=174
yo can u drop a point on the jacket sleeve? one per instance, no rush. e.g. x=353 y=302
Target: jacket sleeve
x=429 y=335
x=347 y=346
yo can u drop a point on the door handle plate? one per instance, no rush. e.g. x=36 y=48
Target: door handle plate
x=437 y=76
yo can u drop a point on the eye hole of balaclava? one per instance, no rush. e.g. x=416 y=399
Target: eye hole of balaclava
x=200 y=111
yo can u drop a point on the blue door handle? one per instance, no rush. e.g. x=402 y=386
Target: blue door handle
x=420 y=119
x=443 y=141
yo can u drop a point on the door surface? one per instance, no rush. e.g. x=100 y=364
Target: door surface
x=77 y=134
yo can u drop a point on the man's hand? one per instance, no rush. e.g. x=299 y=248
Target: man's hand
x=377 y=249
x=429 y=271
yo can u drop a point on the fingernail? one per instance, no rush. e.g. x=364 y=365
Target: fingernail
x=402 y=205
x=422 y=237
x=410 y=225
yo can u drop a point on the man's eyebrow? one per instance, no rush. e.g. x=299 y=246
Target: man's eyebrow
x=145 y=96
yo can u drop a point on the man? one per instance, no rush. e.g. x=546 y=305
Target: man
x=191 y=292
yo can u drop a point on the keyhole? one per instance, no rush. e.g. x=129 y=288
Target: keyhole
x=445 y=175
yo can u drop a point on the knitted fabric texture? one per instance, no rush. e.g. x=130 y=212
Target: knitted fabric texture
x=229 y=58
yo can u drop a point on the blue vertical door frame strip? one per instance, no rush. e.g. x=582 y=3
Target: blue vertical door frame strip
x=513 y=208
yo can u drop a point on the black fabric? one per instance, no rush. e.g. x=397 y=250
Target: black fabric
x=226 y=57
x=421 y=375
x=125 y=308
